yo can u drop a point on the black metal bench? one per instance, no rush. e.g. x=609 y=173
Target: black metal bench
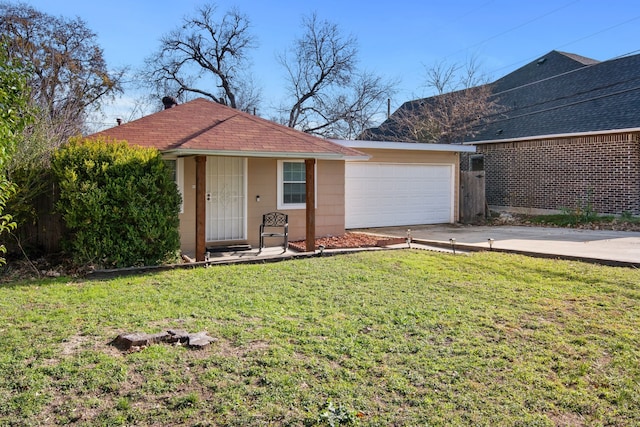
x=271 y=221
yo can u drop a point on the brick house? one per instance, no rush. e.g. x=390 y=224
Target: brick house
x=566 y=135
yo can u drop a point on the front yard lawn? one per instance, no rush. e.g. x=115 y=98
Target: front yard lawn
x=375 y=338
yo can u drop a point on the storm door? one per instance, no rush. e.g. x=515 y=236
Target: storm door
x=226 y=199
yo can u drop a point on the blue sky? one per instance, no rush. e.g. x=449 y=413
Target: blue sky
x=397 y=39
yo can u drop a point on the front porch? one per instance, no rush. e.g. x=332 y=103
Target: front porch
x=224 y=198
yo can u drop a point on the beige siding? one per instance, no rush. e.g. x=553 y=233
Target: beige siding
x=263 y=181
x=330 y=212
x=410 y=156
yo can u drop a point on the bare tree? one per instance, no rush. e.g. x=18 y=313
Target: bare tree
x=206 y=56
x=446 y=118
x=69 y=76
x=462 y=100
x=329 y=96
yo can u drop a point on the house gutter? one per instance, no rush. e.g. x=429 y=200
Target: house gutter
x=554 y=136
x=264 y=154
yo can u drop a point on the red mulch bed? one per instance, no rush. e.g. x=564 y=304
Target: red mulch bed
x=346 y=241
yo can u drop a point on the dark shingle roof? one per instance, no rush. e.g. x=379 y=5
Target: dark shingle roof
x=559 y=93
x=552 y=64
x=600 y=97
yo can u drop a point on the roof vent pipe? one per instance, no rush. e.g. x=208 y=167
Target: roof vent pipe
x=169 y=102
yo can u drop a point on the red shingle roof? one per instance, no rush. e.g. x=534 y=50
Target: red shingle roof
x=202 y=126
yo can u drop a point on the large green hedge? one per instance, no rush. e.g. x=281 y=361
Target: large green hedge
x=119 y=203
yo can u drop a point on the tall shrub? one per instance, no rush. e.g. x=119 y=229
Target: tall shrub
x=14 y=116
x=119 y=204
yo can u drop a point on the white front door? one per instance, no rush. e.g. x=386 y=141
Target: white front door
x=226 y=198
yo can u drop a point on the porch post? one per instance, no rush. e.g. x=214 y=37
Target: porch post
x=201 y=185
x=310 y=195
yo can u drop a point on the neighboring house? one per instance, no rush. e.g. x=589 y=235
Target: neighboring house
x=232 y=167
x=566 y=135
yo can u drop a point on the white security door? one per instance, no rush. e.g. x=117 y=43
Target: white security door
x=393 y=194
x=226 y=199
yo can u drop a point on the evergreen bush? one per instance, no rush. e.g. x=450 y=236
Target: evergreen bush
x=119 y=203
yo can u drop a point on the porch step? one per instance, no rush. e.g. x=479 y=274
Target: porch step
x=230 y=248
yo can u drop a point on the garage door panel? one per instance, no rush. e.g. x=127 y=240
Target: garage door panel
x=379 y=194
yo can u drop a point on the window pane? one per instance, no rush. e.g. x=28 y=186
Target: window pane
x=477 y=162
x=293 y=183
x=294 y=193
x=172 y=166
x=293 y=172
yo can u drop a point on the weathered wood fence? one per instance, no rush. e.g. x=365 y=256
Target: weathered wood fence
x=45 y=232
x=473 y=206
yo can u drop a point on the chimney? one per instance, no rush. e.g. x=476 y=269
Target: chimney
x=169 y=102
x=119 y=121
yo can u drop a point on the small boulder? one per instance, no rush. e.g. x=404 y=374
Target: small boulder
x=200 y=340
x=126 y=342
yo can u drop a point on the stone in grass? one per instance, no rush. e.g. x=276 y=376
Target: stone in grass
x=178 y=336
x=196 y=340
x=139 y=340
x=200 y=340
x=126 y=342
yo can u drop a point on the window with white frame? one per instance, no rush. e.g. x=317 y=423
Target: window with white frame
x=176 y=167
x=292 y=184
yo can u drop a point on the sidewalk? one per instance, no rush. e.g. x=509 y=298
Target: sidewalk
x=603 y=246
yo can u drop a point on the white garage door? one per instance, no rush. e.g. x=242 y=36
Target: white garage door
x=389 y=194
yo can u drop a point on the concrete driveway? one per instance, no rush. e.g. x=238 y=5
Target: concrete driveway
x=607 y=247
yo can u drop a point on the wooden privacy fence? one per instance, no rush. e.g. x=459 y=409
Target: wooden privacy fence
x=473 y=206
x=45 y=232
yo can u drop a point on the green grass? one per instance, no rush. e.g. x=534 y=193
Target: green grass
x=374 y=338
x=572 y=219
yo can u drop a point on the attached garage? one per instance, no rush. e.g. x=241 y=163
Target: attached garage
x=388 y=194
x=402 y=184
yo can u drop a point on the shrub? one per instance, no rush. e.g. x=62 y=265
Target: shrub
x=119 y=203
x=14 y=116
x=7 y=189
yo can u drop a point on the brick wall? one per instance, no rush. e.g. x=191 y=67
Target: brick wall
x=601 y=170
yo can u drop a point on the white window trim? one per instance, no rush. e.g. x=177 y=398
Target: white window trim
x=289 y=206
x=180 y=181
x=179 y=178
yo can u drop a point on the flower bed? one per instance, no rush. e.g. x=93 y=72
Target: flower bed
x=346 y=241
